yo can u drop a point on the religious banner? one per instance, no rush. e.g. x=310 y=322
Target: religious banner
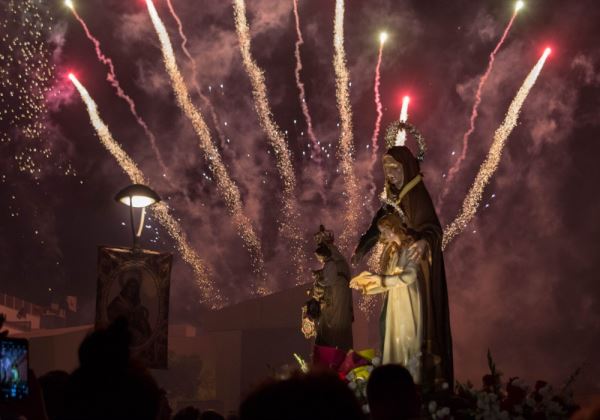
x=135 y=285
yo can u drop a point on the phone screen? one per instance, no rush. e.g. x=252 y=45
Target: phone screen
x=14 y=360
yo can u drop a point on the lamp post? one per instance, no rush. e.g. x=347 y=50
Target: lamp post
x=138 y=196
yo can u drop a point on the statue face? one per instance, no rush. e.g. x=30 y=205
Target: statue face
x=393 y=171
x=387 y=236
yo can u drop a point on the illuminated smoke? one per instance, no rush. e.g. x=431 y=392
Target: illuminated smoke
x=160 y=210
x=112 y=79
x=288 y=223
x=207 y=103
x=475 y=110
x=346 y=146
x=225 y=185
x=473 y=199
x=316 y=149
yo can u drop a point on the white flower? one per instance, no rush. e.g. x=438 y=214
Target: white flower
x=432 y=406
x=352 y=385
x=376 y=361
x=365 y=408
x=520 y=383
x=442 y=412
x=546 y=391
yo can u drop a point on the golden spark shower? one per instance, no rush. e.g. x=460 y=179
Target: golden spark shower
x=226 y=186
x=488 y=167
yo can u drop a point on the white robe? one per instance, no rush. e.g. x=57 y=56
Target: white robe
x=403 y=316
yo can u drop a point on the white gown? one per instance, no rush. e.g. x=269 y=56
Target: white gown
x=403 y=316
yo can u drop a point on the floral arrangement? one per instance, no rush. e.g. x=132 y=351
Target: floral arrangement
x=497 y=400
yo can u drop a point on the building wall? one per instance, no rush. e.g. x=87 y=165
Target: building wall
x=239 y=346
x=10 y=306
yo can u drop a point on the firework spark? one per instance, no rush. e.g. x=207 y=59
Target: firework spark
x=346 y=146
x=209 y=294
x=475 y=109
x=378 y=107
x=27 y=86
x=225 y=184
x=368 y=303
x=112 y=79
x=207 y=103
x=287 y=226
x=488 y=168
x=316 y=148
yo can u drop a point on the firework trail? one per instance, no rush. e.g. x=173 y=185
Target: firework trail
x=489 y=166
x=192 y=61
x=287 y=226
x=225 y=185
x=378 y=107
x=209 y=294
x=311 y=134
x=382 y=38
x=112 y=79
x=346 y=146
x=474 y=111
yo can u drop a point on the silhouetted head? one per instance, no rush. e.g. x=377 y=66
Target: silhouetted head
x=392 y=394
x=316 y=396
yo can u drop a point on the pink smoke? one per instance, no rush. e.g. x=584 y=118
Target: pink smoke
x=474 y=113
x=205 y=100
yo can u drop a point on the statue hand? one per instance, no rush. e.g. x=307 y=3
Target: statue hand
x=366 y=282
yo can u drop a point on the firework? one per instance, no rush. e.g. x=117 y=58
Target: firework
x=346 y=146
x=316 y=148
x=475 y=109
x=287 y=226
x=209 y=294
x=28 y=86
x=225 y=185
x=473 y=199
x=112 y=79
x=378 y=107
x=207 y=103
x=401 y=136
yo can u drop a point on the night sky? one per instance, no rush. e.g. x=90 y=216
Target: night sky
x=521 y=278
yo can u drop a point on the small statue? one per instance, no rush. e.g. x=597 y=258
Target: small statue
x=330 y=307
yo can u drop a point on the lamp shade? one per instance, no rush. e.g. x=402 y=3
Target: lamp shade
x=137 y=195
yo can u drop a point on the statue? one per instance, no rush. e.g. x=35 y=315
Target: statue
x=405 y=264
x=406 y=197
x=330 y=306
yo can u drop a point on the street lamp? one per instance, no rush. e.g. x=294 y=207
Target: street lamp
x=138 y=196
